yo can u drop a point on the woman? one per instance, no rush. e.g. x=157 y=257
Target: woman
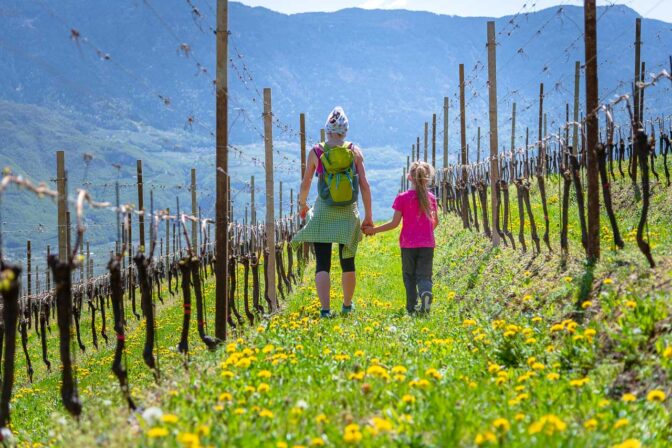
x=327 y=224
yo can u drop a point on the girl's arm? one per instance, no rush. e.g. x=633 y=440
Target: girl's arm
x=365 y=189
x=311 y=166
x=435 y=214
x=393 y=224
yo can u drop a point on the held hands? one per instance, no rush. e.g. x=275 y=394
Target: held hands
x=367 y=227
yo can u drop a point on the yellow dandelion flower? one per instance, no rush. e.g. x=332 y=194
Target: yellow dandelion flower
x=408 y=399
x=494 y=368
x=352 y=434
x=608 y=281
x=553 y=376
x=265 y=413
x=579 y=382
x=586 y=304
x=628 y=397
x=501 y=424
x=156 y=433
x=239 y=411
x=382 y=424
x=486 y=437
x=590 y=424
x=549 y=424
x=263 y=387
x=629 y=443
x=317 y=441
x=225 y=396
x=321 y=419
x=189 y=439
x=433 y=373
x=621 y=422
x=377 y=371
x=519 y=417
x=656 y=395
x=631 y=304
x=399 y=370
x=169 y=418
x=667 y=353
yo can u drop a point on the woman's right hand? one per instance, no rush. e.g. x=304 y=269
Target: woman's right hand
x=304 y=211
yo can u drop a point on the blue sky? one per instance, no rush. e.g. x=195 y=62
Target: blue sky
x=657 y=9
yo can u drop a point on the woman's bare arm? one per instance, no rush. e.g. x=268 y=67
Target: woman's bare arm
x=365 y=189
x=311 y=166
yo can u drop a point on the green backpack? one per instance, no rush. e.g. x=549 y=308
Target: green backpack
x=338 y=184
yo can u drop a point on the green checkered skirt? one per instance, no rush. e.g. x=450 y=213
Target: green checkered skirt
x=332 y=224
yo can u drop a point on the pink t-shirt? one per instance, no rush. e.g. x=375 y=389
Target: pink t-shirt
x=417 y=229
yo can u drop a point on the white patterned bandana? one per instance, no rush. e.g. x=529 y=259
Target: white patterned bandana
x=337 y=123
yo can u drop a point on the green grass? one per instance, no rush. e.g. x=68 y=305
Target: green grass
x=511 y=342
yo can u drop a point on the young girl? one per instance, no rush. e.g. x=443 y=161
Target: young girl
x=417 y=208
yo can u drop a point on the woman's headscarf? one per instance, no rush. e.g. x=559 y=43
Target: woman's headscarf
x=337 y=123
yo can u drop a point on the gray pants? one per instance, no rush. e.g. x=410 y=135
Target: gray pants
x=416 y=266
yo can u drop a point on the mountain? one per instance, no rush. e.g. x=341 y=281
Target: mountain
x=133 y=79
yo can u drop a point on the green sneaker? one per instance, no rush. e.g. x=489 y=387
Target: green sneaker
x=347 y=309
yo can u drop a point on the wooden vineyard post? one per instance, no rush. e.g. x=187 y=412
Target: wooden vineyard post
x=478 y=145
x=577 y=84
x=222 y=168
x=408 y=169
x=141 y=208
x=494 y=143
x=417 y=149
x=302 y=136
x=194 y=211
x=253 y=209
x=637 y=91
x=434 y=140
x=637 y=119
x=29 y=272
x=592 y=131
x=302 y=120
x=167 y=238
x=117 y=204
x=270 y=198
x=323 y=136
x=446 y=106
x=280 y=202
x=463 y=142
x=62 y=207
x=426 y=141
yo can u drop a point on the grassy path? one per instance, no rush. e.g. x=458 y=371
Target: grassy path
x=518 y=351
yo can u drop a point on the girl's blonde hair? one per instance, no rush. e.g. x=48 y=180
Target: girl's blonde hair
x=422 y=174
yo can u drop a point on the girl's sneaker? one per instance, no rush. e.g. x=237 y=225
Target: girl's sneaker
x=347 y=309
x=426 y=301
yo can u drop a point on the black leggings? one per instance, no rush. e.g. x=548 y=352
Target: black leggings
x=323 y=258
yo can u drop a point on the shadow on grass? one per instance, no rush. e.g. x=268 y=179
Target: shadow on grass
x=476 y=272
x=585 y=288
